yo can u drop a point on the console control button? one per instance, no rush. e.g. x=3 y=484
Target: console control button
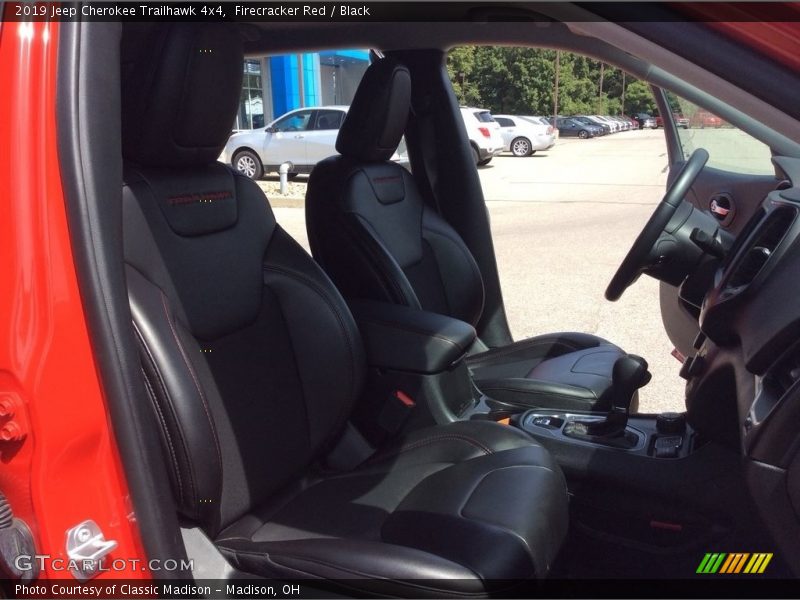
x=667 y=447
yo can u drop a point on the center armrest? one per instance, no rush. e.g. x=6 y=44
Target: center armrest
x=409 y=339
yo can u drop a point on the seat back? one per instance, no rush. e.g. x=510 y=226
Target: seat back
x=241 y=334
x=368 y=224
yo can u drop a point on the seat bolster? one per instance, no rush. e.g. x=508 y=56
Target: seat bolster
x=513 y=502
x=324 y=329
x=375 y=566
x=461 y=279
x=179 y=400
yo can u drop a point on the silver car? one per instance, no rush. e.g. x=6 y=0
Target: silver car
x=523 y=137
x=301 y=137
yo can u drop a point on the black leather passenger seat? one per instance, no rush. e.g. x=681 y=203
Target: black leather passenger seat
x=376 y=237
x=253 y=363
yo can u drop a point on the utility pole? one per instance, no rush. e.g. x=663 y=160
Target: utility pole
x=600 y=93
x=555 y=87
x=623 y=93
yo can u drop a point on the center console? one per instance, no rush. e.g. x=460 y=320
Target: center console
x=658 y=436
x=417 y=375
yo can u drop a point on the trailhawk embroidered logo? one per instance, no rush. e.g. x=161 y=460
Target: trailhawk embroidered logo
x=734 y=563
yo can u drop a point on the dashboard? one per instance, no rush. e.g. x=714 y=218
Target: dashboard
x=744 y=381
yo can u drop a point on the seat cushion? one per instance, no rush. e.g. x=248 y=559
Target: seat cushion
x=449 y=508
x=564 y=371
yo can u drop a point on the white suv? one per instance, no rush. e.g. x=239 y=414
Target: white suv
x=484 y=134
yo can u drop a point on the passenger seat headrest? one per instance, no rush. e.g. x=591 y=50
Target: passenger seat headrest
x=180 y=94
x=378 y=114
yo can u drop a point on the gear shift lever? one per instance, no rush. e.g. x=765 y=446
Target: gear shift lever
x=629 y=374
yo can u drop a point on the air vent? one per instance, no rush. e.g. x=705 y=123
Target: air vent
x=759 y=248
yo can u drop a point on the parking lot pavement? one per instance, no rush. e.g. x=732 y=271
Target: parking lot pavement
x=562 y=221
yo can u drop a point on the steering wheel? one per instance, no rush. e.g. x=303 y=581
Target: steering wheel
x=638 y=256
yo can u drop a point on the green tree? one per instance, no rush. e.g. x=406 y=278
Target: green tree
x=520 y=80
x=461 y=69
x=639 y=98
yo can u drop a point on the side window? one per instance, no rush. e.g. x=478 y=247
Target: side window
x=328 y=119
x=578 y=197
x=294 y=122
x=729 y=148
x=504 y=122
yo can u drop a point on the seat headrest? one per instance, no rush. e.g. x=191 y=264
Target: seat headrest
x=377 y=116
x=180 y=93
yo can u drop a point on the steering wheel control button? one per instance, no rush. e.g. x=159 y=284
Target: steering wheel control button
x=667 y=447
x=671 y=423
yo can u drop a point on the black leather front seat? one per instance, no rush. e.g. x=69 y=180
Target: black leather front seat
x=253 y=362
x=372 y=232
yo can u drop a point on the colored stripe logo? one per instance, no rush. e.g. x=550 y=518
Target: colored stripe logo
x=734 y=563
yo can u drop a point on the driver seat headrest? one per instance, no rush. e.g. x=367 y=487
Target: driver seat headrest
x=180 y=94
x=378 y=114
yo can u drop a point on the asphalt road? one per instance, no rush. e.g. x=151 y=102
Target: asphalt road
x=562 y=221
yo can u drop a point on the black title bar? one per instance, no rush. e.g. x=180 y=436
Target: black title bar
x=244 y=11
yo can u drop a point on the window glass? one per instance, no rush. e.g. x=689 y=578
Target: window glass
x=251 y=101
x=484 y=116
x=294 y=122
x=729 y=148
x=564 y=215
x=504 y=122
x=329 y=119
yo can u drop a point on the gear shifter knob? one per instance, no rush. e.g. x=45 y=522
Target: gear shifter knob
x=628 y=375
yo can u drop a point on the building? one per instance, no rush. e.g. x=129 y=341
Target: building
x=274 y=85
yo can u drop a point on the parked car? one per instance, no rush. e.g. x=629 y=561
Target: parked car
x=569 y=127
x=645 y=120
x=301 y=137
x=542 y=120
x=633 y=122
x=703 y=119
x=615 y=126
x=626 y=124
x=595 y=125
x=623 y=125
x=680 y=121
x=524 y=138
x=484 y=134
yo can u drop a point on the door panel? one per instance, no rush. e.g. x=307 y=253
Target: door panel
x=287 y=142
